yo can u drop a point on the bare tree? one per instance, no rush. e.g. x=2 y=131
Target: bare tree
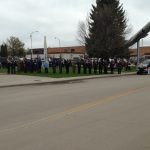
x=82 y=33
x=15 y=46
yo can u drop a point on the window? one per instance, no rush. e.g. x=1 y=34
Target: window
x=72 y=50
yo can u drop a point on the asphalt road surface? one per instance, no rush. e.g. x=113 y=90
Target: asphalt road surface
x=98 y=114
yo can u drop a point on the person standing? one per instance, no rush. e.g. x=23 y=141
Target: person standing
x=100 y=66
x=105 y=66
x=119 y=66
x=13 y=66
x=60 y=64
x=95 y=66
x=67 y=65
x=79 y=66
x=90 y=66
x=85 y=67
x=112 y=65
x=8 y=65
x=73 y=67
x=39 y=64
x=54 y=66
x=46 y=66
x=32 y=65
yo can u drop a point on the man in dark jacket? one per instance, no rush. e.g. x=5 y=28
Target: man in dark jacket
x=119 y=66
x=100 y=66
x=112 y=66
x=79 y=66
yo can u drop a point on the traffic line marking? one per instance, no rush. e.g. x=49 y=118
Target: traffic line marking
x=73 y=110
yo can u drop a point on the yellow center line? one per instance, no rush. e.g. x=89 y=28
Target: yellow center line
x=80 y=108
x=99 y=102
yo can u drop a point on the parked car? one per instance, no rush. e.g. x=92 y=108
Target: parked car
x=143 y=67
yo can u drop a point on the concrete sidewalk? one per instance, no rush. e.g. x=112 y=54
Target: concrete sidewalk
x=23 y=80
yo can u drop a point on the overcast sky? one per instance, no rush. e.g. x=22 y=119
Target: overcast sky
x=59 y=18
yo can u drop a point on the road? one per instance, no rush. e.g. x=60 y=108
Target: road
x=98 y=114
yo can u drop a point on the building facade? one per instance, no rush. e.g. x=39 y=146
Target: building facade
x=67 y=52
x=60 y=52
x=144 y=52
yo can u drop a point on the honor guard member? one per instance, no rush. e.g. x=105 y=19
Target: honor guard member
x=119 y=66
x=13 y=66
x=112 y=66
x=8 y=65
x=32 y=65
x=46 y=66
x=79 y=66
x=67 y=65
x=90 y=66
x=100 y=66
x=73 y=66
x=39 y=64
x=54 y=66
x=105 y=66
x=95 y=66
x=60 y=63
x=25 y=63
x=85 y=67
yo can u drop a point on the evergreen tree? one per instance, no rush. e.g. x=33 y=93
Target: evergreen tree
x=4 y=52
x=107 y=27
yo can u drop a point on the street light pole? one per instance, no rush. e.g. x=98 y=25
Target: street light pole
x=142 y=43
x=31 y=42
x=138 y=52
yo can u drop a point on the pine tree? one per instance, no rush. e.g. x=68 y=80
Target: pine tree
x=106 y=30
x=4 y=52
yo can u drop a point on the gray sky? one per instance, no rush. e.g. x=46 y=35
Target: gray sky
x=58 y=18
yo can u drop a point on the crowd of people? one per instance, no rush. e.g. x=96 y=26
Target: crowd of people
x=85 y=66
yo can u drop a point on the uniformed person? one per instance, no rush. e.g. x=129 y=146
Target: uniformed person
x=105 y=66
x=90 y=66
x=95 y=66
x=119 y=66
x=79 y=66
x=13 y=66
x=85 y=66
x=100 y=66
x=60 y=63
x=8 y=65
x=46 y=66
x=73 y=67
x=67 y=65
x=54 y=66
x=112 y=66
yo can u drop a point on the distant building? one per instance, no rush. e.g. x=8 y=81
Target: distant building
x=144 y=52
x=37 y=52
x=78 y=52
x=67 y=52
x=63 y=52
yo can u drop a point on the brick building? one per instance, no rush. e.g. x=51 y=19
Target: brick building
x=63 y=52
x=67 y=52
x=144 y=52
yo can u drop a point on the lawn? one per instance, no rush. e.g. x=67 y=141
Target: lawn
x=63 y=75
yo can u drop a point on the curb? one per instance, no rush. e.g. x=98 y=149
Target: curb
x=66 y=80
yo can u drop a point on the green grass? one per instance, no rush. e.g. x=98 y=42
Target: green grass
x=63 y=75
x=3 y=70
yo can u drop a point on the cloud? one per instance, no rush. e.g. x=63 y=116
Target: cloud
x=57 y=18
x=138 y=15
x=52 y=18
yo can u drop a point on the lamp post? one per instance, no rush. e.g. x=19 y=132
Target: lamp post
x=59 y=44
x=31 y=42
